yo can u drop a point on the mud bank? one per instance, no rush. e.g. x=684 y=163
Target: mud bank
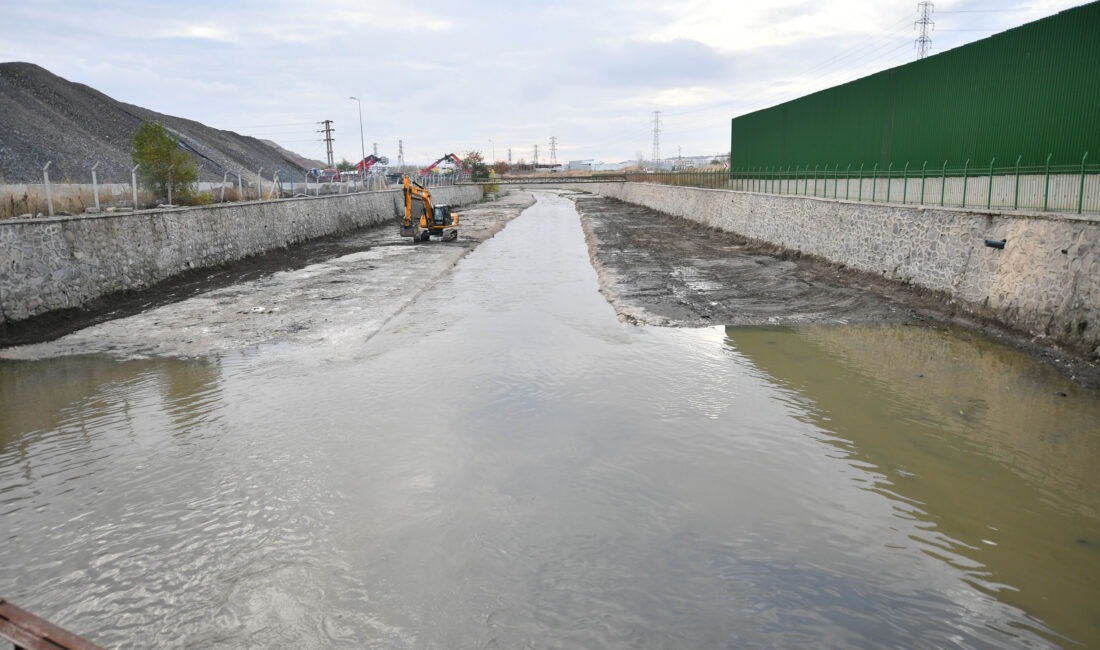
x=1033 y=272
x=62 y=263
x=327 y=293
x=664 y=270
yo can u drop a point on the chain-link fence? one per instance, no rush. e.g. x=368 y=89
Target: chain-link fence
x=49 y=198
x=1045 y=188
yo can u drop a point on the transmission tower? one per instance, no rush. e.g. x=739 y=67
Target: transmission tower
x=328 y=139
x=656 y=136
x=925 y=25
x=553 y=150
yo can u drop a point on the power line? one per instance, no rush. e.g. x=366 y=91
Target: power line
x=925 y=24
x=656 y=136
x=328 y=138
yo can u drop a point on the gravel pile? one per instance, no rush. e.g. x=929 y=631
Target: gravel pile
x=46 y=118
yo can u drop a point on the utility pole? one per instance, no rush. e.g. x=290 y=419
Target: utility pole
x=925 y=24
x=656 y=136
x=509 y=156
x=328 y=139
x=401 y=155
x=375 y=149
x=553 y=150
x=536 y=157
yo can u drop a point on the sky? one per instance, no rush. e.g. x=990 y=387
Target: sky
x=496 y=77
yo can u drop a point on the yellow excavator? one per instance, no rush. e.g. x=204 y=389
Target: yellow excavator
x=434 y=219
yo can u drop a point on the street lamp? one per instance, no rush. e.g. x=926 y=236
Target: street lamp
x=362 y=146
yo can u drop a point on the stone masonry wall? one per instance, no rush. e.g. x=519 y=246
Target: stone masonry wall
x=64 y=262
x=1046 y=279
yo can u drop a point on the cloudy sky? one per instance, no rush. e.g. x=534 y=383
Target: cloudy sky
x=490 y=76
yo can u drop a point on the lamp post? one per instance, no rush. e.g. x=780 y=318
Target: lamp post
x=362 y=145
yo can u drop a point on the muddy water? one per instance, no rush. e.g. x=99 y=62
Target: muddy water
x=507 y=465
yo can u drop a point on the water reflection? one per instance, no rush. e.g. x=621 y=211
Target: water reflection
x=507 y=465
x=67 y=393
x=996 y=453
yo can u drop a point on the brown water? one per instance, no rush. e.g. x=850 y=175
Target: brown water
x=506 y=465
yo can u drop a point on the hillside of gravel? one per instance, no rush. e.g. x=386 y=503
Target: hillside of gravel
x=45 y=118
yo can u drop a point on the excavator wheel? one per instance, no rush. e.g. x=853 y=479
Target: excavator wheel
x=453 y=235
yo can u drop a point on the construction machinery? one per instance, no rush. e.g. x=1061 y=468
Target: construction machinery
x=437 y=220
x=451 y=158
x=365 y=164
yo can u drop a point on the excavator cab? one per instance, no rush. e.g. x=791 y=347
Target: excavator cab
x=442 y=216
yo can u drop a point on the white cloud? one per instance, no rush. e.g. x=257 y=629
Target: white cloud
x=444 y=76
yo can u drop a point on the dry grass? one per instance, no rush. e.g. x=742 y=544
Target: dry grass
x=33 y=204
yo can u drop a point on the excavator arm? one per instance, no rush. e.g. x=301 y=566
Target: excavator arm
x=433 y=219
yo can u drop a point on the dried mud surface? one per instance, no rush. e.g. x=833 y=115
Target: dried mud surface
x=659 y=269
x=326 y=293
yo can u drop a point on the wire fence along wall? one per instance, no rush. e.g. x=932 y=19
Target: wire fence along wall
x=47 y=199
x=1045 y=188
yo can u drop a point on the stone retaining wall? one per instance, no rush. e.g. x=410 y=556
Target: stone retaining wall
x=64 y=262
x=1046 y=279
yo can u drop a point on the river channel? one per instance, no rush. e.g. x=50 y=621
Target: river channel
x=505 y=464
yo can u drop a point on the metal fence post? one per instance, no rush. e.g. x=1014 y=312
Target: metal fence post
x=966 y=177
x=49 y=195
x=943 y=182
x=874 y=182
x=861 y=181
x=133 y=183
x=905 y=183
x=1016 y=195
x=1081 y=192
x=95 y=186
x=989 y=198
x=1046 y=187
x=889 y=179
x=923 y=171
x=815 y=181
x=847 y=180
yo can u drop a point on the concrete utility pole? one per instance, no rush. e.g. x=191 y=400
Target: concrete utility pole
x=656 y=136
x=536 y=157
x=553 y=150
x=509 y=156
x=328 y=139
x=362 y=149
x=401 y=154
x=925 y=24
x=375 y=149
